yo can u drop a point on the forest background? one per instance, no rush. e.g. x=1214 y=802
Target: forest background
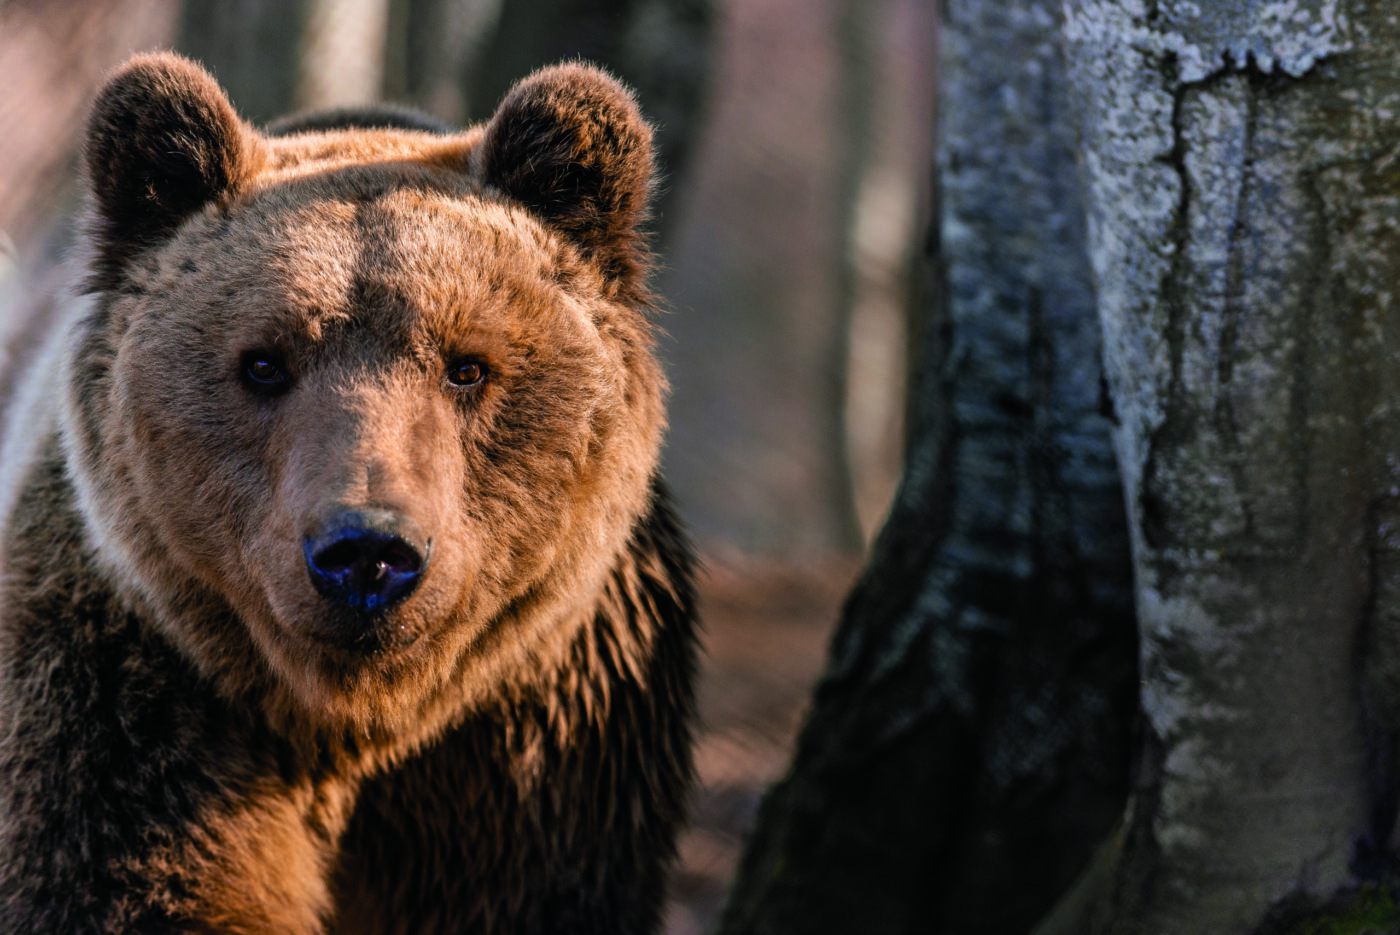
x=1096 y=408
x=796 y=141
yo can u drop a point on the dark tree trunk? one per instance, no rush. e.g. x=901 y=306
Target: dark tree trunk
x=253 y=46
x=660 y=47
x=433 y=45
x=968 y=746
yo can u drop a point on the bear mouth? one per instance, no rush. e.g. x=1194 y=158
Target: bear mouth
x=362 y=636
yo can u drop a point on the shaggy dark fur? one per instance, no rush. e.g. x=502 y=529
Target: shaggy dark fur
x=445 y=332
x=161 y=144
x=567 y=148
x=377 y=117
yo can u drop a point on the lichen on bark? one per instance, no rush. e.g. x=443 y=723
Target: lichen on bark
x=1243 y=246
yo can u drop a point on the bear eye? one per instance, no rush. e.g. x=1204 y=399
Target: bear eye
x=466 y=373
x=264 y=374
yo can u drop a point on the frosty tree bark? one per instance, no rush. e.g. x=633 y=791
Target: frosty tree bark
x=968 y=745
x=1244 y=193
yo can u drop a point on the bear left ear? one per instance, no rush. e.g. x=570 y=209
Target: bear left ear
x=569 y=143
x=162 y=142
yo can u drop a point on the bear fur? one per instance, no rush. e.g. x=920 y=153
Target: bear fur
x=355 y=329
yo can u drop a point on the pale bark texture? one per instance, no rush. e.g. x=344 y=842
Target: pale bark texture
x=969 y=744
x=1243 y=188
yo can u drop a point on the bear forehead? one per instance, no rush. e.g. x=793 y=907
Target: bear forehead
x=388 y=151
x=314 y=253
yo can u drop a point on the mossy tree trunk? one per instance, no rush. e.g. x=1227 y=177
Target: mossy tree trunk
x=968 y=746
x=1244 y=202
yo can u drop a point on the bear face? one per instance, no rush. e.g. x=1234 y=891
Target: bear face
x=364 y=417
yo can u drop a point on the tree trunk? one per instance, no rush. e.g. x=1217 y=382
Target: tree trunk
x=253 y=46
x=1240 y=158
x=886 y=102
x=660 y=47
x=432 y=46
x=758 y=345
x=51 y=55
x=968 y=746
x=342 y=53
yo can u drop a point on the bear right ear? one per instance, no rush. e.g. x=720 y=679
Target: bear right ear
x=569 y=143
x=162 y=142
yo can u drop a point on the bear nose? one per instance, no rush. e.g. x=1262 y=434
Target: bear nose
x=361 y=564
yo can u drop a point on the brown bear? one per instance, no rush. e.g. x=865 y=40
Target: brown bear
x=340 y=592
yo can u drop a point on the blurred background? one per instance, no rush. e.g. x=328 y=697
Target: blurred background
x=795 y=141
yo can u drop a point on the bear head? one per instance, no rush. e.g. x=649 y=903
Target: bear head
x=362 y=417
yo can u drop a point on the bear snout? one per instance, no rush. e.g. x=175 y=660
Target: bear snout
x=366 y=561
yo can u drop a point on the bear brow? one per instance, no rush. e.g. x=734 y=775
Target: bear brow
x=367 y=181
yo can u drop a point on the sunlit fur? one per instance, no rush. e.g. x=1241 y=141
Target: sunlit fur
x=191 y=742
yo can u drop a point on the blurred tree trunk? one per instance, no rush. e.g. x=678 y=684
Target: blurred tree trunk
x=433 y=45
x=968 y=746
x=760 y=360
x=274 y=57
x=858 y=88
x=455 y=58
x=342 y=53
x=1244 y=205
x=662 y=48
x=253 y=46
x=51 y=56
x=886 y=102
